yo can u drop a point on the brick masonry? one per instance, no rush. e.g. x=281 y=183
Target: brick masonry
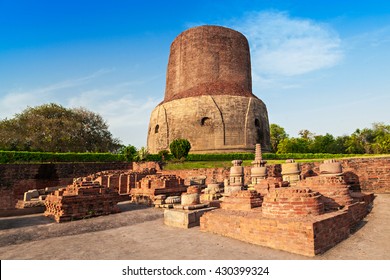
x=365 y=174
x=294 y=234
x=209 y=89
x=306 y=235
x=15 y=179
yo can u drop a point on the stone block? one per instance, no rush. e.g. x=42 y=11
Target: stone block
x=30 y=194
x=184 y=218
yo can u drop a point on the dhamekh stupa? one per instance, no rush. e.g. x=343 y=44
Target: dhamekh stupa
x=208 y=96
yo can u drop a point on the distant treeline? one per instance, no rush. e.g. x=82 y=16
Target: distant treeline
x=375 y=140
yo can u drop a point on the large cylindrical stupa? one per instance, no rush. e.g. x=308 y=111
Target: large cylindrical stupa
x=208 y=96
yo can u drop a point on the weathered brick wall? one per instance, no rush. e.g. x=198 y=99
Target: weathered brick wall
x=306 y=236
x=15 y=179
x=292 y=202
x=367 y=174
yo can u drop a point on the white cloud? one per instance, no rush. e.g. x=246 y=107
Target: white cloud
x=282 y=46
x=17 y=100
x=126 y=114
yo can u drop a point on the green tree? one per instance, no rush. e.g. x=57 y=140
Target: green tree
x=53 y=128
x=277 y=134
x=130 y=152
x=142 y=154
x=164 y=154
x=323 y=144
x=180 y=148
x=360 y=141
x=293 y=145
x=340 y=144
x=306 y=134
x=381 y=142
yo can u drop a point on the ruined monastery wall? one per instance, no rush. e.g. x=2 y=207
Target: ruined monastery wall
x=367 y=174
x=15 y=179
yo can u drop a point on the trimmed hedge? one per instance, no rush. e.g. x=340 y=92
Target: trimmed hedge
x=220 y=157
x=19 y=157
x=306 y=156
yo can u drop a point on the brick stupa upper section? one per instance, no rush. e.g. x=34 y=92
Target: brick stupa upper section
x=208 y=60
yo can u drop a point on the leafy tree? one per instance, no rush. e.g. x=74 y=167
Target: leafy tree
x=381 y=134
x=360 y=142
x=142 y=154
x=293 y=145
x=306 y=134
x=340 y=144
x=277 y=134
x=163 y=154
x=180 y=148
x=323 y=144
x=130 y=152
x=53 y=128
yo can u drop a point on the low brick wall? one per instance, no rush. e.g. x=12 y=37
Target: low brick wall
x=366 y=174
x=292 y=202
x=306 y=236
x=15 y=179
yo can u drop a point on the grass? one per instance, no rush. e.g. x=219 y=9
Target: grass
x=227 y=164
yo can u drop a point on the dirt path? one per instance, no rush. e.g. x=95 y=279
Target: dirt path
x=139 y=233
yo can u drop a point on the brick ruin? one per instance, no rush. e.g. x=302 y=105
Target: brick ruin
x=300 y=208
x=122 y=181
x=151 y=188
x=82 y=199
x=306 y=217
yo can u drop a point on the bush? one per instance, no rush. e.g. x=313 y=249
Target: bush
x=180 y=148
x=220 y=157
x=163 y=154
x=20 y=157
x=142 y=154
x=129 y=152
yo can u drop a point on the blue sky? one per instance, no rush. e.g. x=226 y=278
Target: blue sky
x=318 y=65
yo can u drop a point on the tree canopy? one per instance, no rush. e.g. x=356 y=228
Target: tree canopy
x=53 y=128
x=277 y=135
x=375 y=140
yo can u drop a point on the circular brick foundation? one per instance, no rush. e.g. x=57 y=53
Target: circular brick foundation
x=291 y=202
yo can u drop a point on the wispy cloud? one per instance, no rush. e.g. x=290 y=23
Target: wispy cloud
x=127 y=115
x=126 y=112
x=64 y=84
x=15 y=101
x=282 y=46
x=373 y=38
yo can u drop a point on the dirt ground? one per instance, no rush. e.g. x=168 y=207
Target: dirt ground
x=139 y=233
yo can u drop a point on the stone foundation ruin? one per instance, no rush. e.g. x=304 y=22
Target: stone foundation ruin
x=308 y=218
x=81 y=200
